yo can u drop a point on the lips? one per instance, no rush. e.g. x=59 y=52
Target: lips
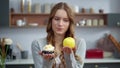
x=59 y=29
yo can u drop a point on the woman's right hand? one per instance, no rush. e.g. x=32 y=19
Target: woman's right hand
x=47 y=56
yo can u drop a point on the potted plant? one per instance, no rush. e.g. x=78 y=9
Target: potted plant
x=4 y=46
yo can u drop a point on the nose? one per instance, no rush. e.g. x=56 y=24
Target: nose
x=60 y=22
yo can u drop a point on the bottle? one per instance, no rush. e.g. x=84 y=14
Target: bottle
x=37 y=8
x=83 y=10
x=22 y=6
x=29 y=6
x=91 y=10
x=76 y=9
x=47 y=8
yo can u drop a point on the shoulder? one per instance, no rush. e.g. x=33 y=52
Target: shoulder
x=39 y=42
x=80 y=42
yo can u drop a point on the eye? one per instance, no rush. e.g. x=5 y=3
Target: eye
x=56 y=18
x=66 y=20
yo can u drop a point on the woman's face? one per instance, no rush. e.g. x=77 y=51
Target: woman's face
x=60 y=22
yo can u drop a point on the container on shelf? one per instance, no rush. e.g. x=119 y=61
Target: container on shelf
x=95 y=22
x=91 y=10
x=29 y=6
x=83 y=10
x=101 y=11
x=12 y=10
x=88 y=22
x=19 y=22
x=37 y=8
x=47 y=8
x=22 y=6
x=101 y=22
x=82 y=22
x=75 y=8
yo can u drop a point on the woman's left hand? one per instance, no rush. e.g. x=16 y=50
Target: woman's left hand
x=68 y=50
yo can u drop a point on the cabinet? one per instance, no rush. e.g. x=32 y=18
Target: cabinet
x=86 y=65
x=114 y=19
x=20 y=66
x=4 y=15
x=102 y=65
x=42 y=19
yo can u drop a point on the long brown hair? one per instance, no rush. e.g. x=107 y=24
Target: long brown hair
x=69 y=32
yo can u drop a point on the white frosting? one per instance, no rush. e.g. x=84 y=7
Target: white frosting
x=48 y=47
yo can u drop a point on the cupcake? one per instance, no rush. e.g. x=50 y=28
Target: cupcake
x=48 y=49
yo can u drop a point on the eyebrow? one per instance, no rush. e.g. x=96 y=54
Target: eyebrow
x=60 y=17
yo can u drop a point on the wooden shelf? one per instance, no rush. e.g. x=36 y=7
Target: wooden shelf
x=42 y=19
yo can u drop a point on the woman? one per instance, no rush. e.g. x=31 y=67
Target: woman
x=60 y=25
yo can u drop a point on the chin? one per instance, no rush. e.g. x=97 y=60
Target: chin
x=60 y=33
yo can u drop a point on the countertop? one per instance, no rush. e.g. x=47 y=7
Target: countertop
x=30 y=61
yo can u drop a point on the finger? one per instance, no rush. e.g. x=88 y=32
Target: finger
x=74 y=49
x=40 y=53
x=69 y=50
x=51 y=56
x=64 y=49
x=47 y=56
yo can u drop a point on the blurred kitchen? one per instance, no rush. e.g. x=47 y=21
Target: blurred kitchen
x=103 y=38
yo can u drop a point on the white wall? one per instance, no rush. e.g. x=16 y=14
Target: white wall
x=25 y=36
x=115 y=6
x=109 y=6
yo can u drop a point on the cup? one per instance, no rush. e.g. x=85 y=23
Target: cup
x=19 y=22
x=82 y=22
x=24 y=54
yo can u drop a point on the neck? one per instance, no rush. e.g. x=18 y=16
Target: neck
x=59 y=39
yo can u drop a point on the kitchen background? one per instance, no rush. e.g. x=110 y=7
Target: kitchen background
x=26 y=35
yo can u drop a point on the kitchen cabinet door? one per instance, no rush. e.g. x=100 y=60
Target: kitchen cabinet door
x=114 y=20
x=20 y=66
x=4 y=13
x=102 y=65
